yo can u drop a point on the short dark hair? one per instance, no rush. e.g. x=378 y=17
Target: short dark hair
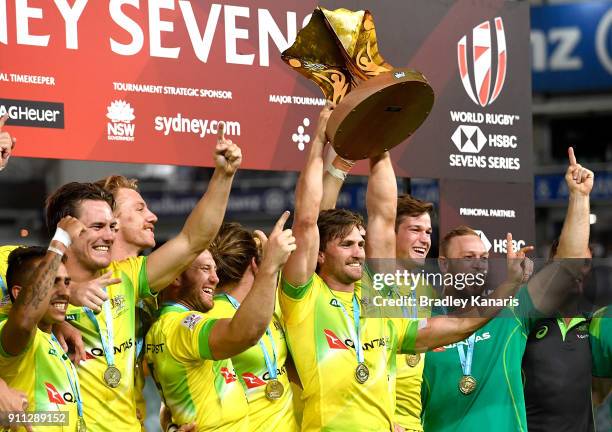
x=66 y=200
x=337 y=223
x=409 y=206
x=233 y=249
x=21 y=263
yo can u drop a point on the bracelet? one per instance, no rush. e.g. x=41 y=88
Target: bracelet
x=56 y=250
x=62 y=237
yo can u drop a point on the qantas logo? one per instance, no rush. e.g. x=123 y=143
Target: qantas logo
x=333 y=341
x=54 y=396
x=485 y=336
x=486 y=90
x=252 y=381
x=227 y=375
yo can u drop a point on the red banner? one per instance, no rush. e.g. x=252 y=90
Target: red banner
x=147 y=81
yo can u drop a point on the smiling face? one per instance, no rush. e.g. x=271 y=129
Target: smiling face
x=136 y=222
x=198 y=283
x=91 y=250
x=413 y=239
x=467 y=254
x=343 y=258
x=56 y=313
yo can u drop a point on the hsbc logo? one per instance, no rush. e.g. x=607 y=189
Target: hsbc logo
x=486 y=89
x=484 y=239
x=469 y=139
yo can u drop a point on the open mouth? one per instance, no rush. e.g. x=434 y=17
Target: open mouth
x=420 y=251
x=60 y=305
x=208 y=291
x=101 y=248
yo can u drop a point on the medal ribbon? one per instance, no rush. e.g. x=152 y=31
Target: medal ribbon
x=466 y=361
x=74 y=384
x=353 y=329
x=271 y=365
x=107 y=343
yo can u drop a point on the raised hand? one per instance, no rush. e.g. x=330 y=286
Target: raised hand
x=323 y=119
x=228 y=155
x=7 y=143
x=280 y=244
x=519 y=267
x=91 y=294
x=579 y=179
x=72 y=226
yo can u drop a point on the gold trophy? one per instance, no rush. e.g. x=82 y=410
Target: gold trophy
x=378 y=106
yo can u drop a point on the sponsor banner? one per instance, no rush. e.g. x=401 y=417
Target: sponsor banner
x=493 y=209
x=149 y=81
x=572 y=47
x=33 y=113
x=552 y=189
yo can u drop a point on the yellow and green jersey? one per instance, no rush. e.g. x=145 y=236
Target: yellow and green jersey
x=194 y=386
x=5 y=300
x=40 y=372
x=250 y=365
x=601 y=342
x=321 y=345
x=112 y=409
x=408 y=376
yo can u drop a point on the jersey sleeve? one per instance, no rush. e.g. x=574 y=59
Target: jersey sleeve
x=407 y=335
x=600 y=331
x=221 y=309
x=11 y=366
x=525 y=311
x=296 y=302
x=188 y=338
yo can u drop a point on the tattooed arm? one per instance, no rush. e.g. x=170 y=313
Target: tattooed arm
x=32 y=300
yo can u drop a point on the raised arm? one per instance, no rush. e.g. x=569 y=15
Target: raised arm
x=573 y=242
x=229 y=337
x=202 y=225
x=308 y=194
x=574 y=239
x=33 y=300
x=336 y=170
x=381 y=204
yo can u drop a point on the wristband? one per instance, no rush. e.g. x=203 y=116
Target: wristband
x=56 y=250
x=62 y=236
x=336 y=165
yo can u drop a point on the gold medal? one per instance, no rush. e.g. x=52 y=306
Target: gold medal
x=362 y=373
x=112 y=376
x=274 y=389
x=413 y=359
x=81 y=426
x=467 y=384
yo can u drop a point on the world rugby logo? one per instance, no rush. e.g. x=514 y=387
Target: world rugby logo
x=486 y=90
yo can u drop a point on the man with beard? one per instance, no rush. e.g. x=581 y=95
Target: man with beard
x=107 y=375
x=189 y=352
x=477 y=383
x=341 y=357
x=31 y=358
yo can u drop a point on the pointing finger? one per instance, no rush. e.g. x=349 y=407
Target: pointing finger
x=280 y=223
x=221 y=131
x=572 y=157
x=509 y=245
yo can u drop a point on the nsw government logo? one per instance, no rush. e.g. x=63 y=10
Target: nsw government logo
x=121 y=116
x=486 y=89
